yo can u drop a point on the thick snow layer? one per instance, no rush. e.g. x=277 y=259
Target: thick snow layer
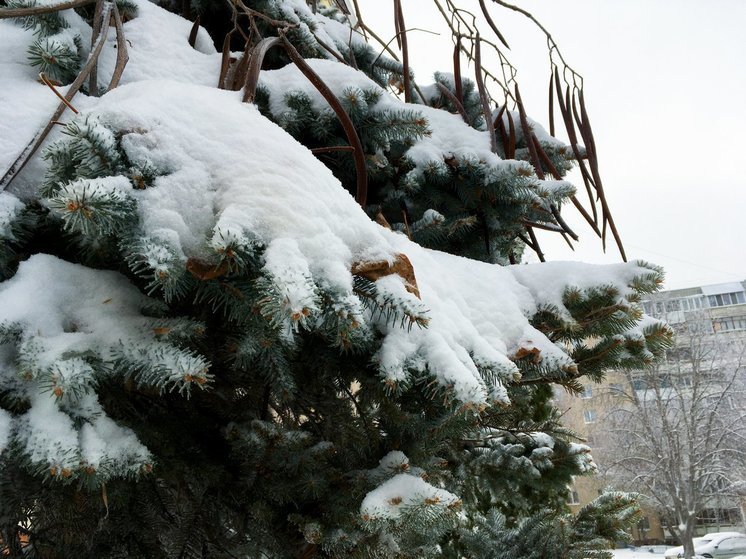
x=26 y=104
x=392 y=498
x=232 y=173
x=542 y=279
x=154 y=31
x=538 y=130
x=229 y=173
x=63 y=310
x=70 y=307
x=449 y=135
x=477 y=311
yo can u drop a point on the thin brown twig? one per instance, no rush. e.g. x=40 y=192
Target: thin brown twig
x=349 y=128
x=122 y=53
x=41 y=10
x=256 y=58
x=535 y=242
x=282 y=24
x=330 y=50
x=587 y=180
x=240 y=72
x=491 y=23
x=454 y=101
x=483 y=95
x=456 y=19
x=46 y=81
x=527 y=134
x=562 y=223
x=552 y=44
x=457 y=72
x=225 y=60
x=544 y=226
x=328 y=149
x=93 y=78
x=193 y=32
x=402 y=30
x=358 y=17
x=386 y=46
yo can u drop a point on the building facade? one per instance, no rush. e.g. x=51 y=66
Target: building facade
x=708 y=359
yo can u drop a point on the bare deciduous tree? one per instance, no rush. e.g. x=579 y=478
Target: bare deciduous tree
x=675 y=432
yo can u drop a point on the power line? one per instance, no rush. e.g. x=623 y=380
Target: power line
x=739 y=276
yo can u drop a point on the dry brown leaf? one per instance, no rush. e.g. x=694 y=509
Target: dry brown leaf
x=382 y=268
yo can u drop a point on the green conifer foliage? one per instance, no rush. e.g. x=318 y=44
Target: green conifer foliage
x=57 y=50
x=229 y=396
x=456 y=201
x=16 y=223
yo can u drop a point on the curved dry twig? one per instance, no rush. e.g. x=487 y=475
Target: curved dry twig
x=122 y=53
x=361 y=193
x=255 y=59
x=41 y=10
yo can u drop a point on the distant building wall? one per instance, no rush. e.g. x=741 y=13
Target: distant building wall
x=711 y=310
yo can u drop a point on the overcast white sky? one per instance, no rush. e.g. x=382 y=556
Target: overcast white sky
x=665 y=84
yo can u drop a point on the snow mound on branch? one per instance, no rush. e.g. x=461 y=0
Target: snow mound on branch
x=44 y=297
x=391 y=499
x=541 y=280
x=66 y=317
x=234 y=170
x=156 y=30
x=449 y=135
x=583 y=457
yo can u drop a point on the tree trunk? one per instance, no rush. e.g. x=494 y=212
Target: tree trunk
x=687 y=536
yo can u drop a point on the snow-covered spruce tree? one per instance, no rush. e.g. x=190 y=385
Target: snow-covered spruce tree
x=209 y=349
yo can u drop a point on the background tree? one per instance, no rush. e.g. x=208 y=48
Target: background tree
x=676 y=431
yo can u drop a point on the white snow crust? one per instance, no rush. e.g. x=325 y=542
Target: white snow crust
x=10 y=207
x=393 y=497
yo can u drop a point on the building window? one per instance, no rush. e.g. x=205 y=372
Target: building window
x=615 y=388
x=693 y=303
x=589 y=416
x=730 y=323
x=573 y=498
x=639 y=384
x=587 y=392
x=723 y=299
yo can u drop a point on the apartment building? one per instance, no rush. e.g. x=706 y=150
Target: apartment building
x=708 y=320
